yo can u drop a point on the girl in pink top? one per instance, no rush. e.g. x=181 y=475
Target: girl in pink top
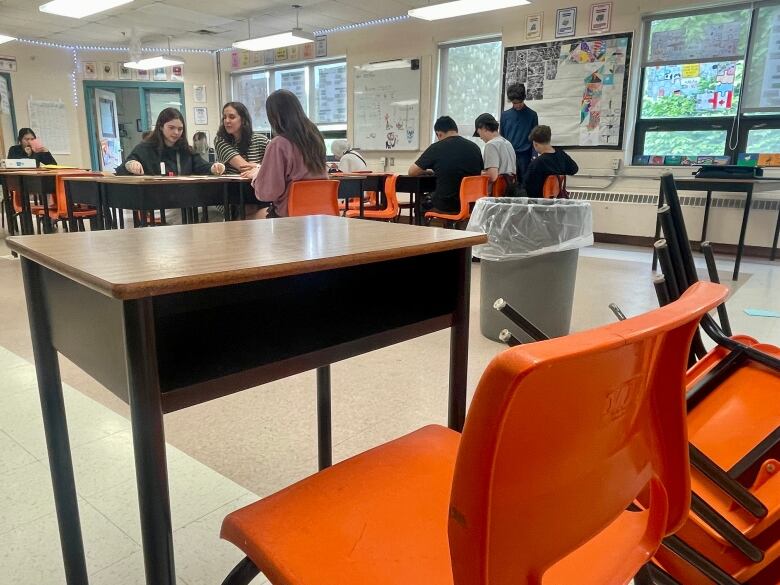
x=296 y=153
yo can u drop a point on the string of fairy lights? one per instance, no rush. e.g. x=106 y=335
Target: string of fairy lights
x=75 y=48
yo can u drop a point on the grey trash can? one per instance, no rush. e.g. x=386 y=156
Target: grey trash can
x=530 y=260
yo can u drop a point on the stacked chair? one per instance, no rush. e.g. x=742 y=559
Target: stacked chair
x=732 y=534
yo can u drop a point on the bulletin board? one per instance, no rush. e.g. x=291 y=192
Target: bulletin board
x=578 y=87
x=387 y=106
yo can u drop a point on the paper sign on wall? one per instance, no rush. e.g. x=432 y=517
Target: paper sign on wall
x=49 y=120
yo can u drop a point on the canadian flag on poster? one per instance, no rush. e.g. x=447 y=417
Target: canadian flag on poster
x=714 y=101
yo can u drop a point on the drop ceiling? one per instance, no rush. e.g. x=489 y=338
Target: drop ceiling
x=191 y=24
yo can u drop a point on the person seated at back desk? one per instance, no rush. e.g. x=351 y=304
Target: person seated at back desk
x=30 y=147
x=167 y=151
x=551 y=161
x=450 y=158
x=499 y=155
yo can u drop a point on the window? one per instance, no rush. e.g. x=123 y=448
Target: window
x=469 y=82
x=321 y=88
x=704 y=92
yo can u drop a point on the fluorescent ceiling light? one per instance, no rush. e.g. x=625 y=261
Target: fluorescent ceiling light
x=80 y=8
x=154 y=62
x=462 y=7
x=295 y=37
x=381 y=65
x=5 y=39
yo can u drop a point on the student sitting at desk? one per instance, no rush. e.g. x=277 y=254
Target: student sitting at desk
x=296 y=153
x=167 y=152
x=30 y=147
x=349 y=161
x=551 y=161
x=451 y=158
x=238 y=147
x=499 y=156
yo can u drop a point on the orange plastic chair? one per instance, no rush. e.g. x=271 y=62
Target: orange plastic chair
x=740 y=415
x=389 y=213
x=553 y=185
x=59 y=212
x=499 y=187
x=471 y=189
x=318 y=197
x=520 y=497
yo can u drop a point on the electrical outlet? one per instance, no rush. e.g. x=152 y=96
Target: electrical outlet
x=392 y=161
x=615 y=164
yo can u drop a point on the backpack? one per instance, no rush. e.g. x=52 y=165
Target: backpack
x=555 y=183
x=513 y=188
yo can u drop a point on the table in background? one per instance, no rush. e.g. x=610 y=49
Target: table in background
x=416 y=187
x=735 y=185
x=149 y=194
x=28 y=182
x=355 y=185
x=167 y=319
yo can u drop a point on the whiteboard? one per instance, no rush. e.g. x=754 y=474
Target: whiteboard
x=387 y=106
x=48 y=119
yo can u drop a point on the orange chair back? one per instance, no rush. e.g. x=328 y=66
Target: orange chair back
x=552 y=186
x=319 y=197
x=499 y=187
x=563 y=435
x=391 y=195
x=59 y=188
x=471 y=189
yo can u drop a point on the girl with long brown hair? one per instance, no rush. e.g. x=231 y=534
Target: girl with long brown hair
x=296 y=153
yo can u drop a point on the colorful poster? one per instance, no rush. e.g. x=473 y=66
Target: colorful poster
x=577 y=87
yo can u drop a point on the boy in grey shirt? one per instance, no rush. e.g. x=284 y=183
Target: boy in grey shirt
x=499 y=155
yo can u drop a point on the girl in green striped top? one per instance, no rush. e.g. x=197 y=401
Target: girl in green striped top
x=237 y=146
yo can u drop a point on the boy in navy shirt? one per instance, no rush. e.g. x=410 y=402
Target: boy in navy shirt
x=516 y=124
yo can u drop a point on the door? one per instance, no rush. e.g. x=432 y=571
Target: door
x=7 y=121
x=107 y=130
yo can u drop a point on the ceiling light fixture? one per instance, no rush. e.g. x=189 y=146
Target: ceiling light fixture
x=5 y=39
x=295 y=37
x=462 y=8
x=80 y=8
x=155 y=62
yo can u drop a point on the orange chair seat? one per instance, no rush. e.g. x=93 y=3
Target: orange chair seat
x=381 y=532
x=388 y=213
x=460 y=216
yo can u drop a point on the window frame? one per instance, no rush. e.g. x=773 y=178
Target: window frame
x=441 y=78
x=311 y=98
x=737 y=125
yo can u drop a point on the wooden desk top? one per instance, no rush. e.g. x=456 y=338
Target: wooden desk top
x=137 y=263
x=151 y=179
x=35 y=172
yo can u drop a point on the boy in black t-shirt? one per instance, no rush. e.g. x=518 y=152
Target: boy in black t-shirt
x=451 y=158
x=551 y=161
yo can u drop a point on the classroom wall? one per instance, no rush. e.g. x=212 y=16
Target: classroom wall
x=44 y=73
x=416 y=38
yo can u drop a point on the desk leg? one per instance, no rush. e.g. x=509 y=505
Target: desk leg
x=658 y=225
x=459 y=344
x=774 y=240
x=146 y=418
x=26 y=215
x=55 y=426
x=743 y=231
x=324 y=439
x=707 y=206
x=418 y=219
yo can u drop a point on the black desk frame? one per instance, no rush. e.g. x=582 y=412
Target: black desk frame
x=746 y=187
x=168 y=352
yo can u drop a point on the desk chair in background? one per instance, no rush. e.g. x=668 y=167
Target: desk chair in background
x=520 y=496
x=318 y=197
x=389 y=213
x=471 y=189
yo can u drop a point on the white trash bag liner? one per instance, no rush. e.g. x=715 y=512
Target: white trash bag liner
x=523 y=227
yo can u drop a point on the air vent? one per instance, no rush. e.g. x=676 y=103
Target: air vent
x=717 y=202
